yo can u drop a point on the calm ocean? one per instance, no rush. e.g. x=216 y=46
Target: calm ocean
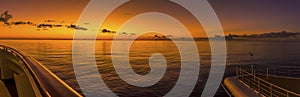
x=56 y=55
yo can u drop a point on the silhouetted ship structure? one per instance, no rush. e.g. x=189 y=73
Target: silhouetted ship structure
x=23 y=76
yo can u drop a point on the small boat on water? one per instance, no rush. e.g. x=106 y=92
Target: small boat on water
x=264 y=81
x=23 y=76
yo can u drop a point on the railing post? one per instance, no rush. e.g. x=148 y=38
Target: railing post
x=271 y=94
x=254 y=74
x=237 y=72
x=254 y=79
x=289 y=70
x=252 y=69
x=251 y=81
x=258 y=86
x=267 y=72
x=275 y=69
x=240 y=69
x=287 y=94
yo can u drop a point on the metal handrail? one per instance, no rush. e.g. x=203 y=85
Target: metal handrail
x=38 y=72
x=276 y=70
x=262 y=86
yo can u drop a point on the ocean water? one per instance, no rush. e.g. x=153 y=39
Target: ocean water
x=56 y=55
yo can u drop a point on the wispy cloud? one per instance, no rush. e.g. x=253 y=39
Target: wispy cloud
x=50 y=24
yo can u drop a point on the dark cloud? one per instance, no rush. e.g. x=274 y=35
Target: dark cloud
x=45 y=26
x=49 y=21
x=21 y=23
x=5 y=17
x=107 y=31
x=76 y=27
x=114 y=32
x=132 y=34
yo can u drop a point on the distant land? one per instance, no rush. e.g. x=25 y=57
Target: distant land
x=281 y=36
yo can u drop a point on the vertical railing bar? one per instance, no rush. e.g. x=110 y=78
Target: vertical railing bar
x=259 y=86
x=267 y=72
x=271 y=94
x=237 y=72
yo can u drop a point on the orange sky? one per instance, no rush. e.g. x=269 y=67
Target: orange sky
x=237 y=17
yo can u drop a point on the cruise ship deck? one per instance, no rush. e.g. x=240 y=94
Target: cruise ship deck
x=264 y=81
x=23 y=76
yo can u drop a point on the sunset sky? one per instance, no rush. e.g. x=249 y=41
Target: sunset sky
x=236 y=17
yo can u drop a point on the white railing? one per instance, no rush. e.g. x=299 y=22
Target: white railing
x=291 y=71
x=260 y=85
